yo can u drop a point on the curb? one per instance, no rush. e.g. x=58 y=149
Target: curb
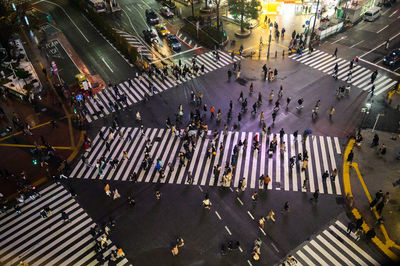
x=384 y=247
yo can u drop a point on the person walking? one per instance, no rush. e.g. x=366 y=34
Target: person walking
x=267 y=180
x=331 y=112
x=378 y=197
x=335 y=52
x=206 y=202
x=212 y=109
x=254 y=197
x=158 y=194
x=315 y=196
x=124 y=155
x=261 y=222
x=270 y=216
x=383 y=203
x=65 y=217
x=286 y=207
x=242 y=184
x=116 y=195
x=107 y=190
x=350 y=157
x=304 y=165
x=333 y=175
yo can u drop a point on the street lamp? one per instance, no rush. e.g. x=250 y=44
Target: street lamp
x=365 y=110
x=269 y=39
x=312 y=31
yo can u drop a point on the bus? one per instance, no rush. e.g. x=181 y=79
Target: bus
x=97 y=5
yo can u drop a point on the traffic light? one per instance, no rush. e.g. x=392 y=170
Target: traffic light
x=34 y=161
x=75 y=112
x=48 y=17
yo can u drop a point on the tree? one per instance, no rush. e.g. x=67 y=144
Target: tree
x=217 y=4
x=191 y=4
x=245 y=9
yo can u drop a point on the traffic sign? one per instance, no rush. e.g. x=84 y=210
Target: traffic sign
x=307 y=22
x=79 y=97
x=54 y=66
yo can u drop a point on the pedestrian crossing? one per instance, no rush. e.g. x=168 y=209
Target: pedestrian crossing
x=322 y=153
x=360 y=76
x=333 y=246
x=27 y=237
x=136 y=42
x=99 y=105
x=181 y=36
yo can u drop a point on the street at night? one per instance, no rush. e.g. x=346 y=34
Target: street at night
x=221 y=132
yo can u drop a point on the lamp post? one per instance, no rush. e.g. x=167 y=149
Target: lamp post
x=365 y=110
x=269 y=39
x=315 y=19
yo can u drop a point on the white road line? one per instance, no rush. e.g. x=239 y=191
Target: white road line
x=273 y=245
x=227 y=229
x=393 y=14
x=249 y=263
x=343 y=247
x=341 y=38
x=323 y=252
x=200 y=188
x=241 y=202
x=241 y=250
x=171 y=56
x=69 y=18
x=382 y=29
x=385 y=69
x=334 y=250
x=262 y=231
x=304 y=257
x=102 y=59
x=219 y=217
x=251 y=215
x=391 y=38
x=315 y=256
x=356 y=44
x=336 y=139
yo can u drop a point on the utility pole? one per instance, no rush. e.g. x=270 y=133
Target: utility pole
x=315 y=19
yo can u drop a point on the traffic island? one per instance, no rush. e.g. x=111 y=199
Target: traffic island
x=245 y=33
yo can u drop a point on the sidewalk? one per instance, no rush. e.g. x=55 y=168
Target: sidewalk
x=15 y=148
x=368 y=174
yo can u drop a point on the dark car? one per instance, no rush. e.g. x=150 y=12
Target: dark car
x=152 y=17
x=393 y=58
x=174 y=43
x=150 y=36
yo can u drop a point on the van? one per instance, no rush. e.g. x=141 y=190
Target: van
x=372 y=13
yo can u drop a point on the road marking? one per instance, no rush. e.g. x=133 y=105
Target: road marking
x=398 y=17
x=252 y=217
x=241 y=202
x=128 y=8
x=33 y=146
x=68 y=17
x=102 y=59
x=391 y=38
x=171 y=56
x=200 y=188
x=393 y=14
x=356 y=44
x=382 y=29
x=341 y=38
x=240 y=248
x=273 y=245
x=231 y=189
x=69 y=55
x=249 y=263
x=219 y=217
x=227 y=229
x=394 y=73
x=262 y=231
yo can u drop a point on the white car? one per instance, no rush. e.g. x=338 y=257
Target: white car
x=166 y=12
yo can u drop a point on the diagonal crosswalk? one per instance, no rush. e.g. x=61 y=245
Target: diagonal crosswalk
x=99 y=106
x=361 y=76
x=322 y=152
x=136 y=42
x=35 y=240
x=334 y=246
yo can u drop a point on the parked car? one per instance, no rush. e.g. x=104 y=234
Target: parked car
x=150 y=36
x=174 y=43
x=170 y=4
x=152 y=17
x=393 y=58
x=166 y=12
x=162 y=30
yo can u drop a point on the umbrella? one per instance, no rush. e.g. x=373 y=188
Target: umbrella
x=308 y=132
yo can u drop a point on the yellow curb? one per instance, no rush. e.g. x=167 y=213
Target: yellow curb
x=35 y=184
x=32 y=146
x=32 y=128
x=385 y=248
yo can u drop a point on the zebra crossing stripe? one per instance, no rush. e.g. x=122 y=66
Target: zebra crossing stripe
x=343 y=247
x=324 y=253
x=334 y=250
x=360 y=76
x=337 y=145
x=250 y=163
x=354 y=246
x=304 y=257
x=315 y=256
x=160 y=148
x=239 y=162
